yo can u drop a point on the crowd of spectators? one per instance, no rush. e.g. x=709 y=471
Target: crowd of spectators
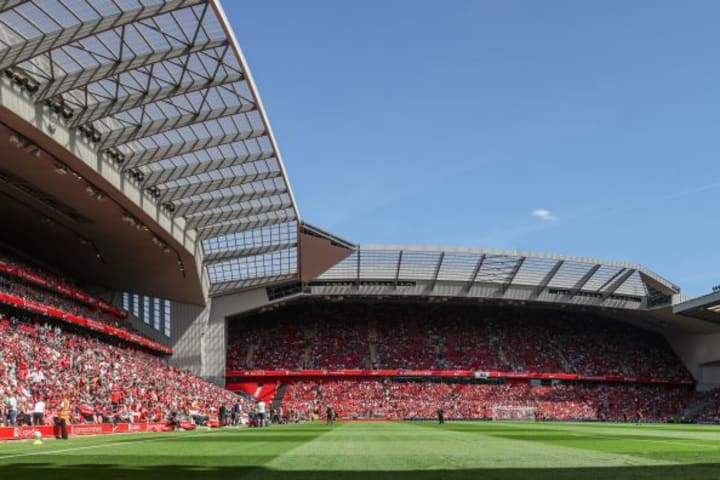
x=448 y=337
x=421 y=400
x=280 y=345
x=286 y=344
x=42 y=363
x=27 y=290
x=60 y=284
x=705 y=408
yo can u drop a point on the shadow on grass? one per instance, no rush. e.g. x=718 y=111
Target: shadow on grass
x=32 y=471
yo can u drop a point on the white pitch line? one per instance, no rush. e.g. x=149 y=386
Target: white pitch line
x=90 y=447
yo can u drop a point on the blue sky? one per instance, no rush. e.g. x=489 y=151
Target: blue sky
x=451 y=122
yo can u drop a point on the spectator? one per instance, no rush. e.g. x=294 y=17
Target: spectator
x=448 y=337
x=39 y=412
x=102 y=381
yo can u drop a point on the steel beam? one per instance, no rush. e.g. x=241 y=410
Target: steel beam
x=164 y=174
x=198 y=205
x=617 y=283
x=85 y=76
x=10 y=4
x=225 y=255
x=243 y=225
x=512 y=276
x=113 y=106
x=548 y=278
x=191 y=189
x=129 y=133
x=397 y=270
x=437 y=272
x=234 y=285
x=163 y=152
x=46 y=41
x=471 y=281
x=204 y=219
x=584 y=279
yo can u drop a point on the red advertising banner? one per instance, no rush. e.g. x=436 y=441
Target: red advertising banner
x=279 y=374
x=83 y=322
x=28 y=432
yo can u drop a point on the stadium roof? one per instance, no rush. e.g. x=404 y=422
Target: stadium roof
x=162 y=90
x=467 y=268
x=705 y=307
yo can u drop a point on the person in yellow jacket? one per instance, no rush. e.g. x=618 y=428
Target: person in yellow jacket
x=64 y=418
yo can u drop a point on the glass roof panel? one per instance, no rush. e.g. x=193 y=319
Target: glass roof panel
x=166 y=91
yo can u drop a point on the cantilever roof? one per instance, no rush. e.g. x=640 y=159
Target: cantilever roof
x=493 y=266
x=163 y=90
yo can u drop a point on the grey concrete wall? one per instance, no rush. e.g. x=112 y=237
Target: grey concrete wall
x=695 y=350
x=199 y=337
x=189 y=324
x=216 y=338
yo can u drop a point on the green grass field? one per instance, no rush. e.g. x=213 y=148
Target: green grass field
x=380 y=450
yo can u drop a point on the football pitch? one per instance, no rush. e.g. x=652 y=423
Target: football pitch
x=417 y=451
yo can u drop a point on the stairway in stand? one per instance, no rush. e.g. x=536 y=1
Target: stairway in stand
x=279 y=395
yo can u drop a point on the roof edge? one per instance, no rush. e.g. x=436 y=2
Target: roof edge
x=524 y=253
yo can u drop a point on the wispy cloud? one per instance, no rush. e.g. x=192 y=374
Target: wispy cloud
x=544 y=215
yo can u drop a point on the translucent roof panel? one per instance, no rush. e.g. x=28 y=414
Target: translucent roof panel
x=282 y=262
x=458 y=267
x=633 y=286
x=534 y=270
x=570 y=274
x=419 y=265
x=163 y=92
x=602 y=278
x=345 y=269
x=499 y=267
x=378 y=264
x=272 y=235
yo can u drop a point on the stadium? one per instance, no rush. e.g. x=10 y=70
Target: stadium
x=158 y=281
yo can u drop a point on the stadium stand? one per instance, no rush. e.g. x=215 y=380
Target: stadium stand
x=191 y=199
x=705 y=407
x=420 y=400
x=334 y=339
x=104 y=381
x=25 y=286
x=26 y=272
x=406 y=336
x=28 y=292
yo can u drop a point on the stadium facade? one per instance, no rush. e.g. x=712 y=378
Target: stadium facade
x=138 y=158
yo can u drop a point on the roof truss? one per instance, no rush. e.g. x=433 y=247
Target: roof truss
x=159 y=152
x=120 y=93
x=62 y=34
x=618 y=282
x=225 y=255
x=162 y=90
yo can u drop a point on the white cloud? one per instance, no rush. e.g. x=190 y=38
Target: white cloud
x=544 y=215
